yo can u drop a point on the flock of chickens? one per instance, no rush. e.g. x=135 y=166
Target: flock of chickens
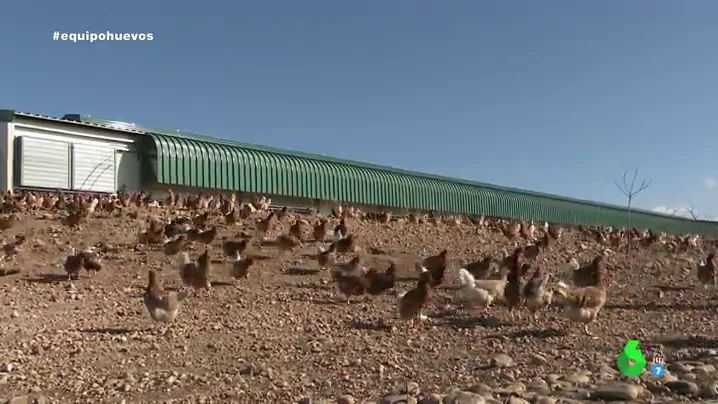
x=515 y=278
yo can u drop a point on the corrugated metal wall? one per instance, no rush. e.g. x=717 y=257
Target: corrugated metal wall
x=180 y=160
x=43 y=163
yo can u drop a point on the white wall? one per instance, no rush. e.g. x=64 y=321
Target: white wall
x=128 y=170
x=6 y=155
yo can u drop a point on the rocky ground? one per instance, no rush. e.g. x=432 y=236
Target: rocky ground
x=281 y=338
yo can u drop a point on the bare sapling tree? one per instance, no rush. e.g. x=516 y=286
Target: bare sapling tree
x=690 y=211
x=630 y=191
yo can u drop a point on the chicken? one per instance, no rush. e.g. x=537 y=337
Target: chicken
x=171 y=200
x=6 y=223
x=350 y=279
x=327 y=257
x=232 y=248
x=353 y=267
x=240 y=266
x=589 y=275
x=73 y=219
x=155 y=227
x=691 y=241
x=320 y=230
x=436 y=266
x=512 y=260
x=527 y=231
x=245 y=211
x=296 y=230
x=173 y=246
x=196 y=273
x=555 y=232
x=532 y=251
x=536 y=296
x=231 y=217
x=341 y=230
x=264 y=225
x=707 y=274
x=163 y=306
x=345 y=245
x=287 y=242
x=495 y=287
x=411 y=302
x=472 y=296
x=380 y=282
x=581 y=305
x=432 y=263
x=148 y=237
x=511 y=230
x=207 y=236
x=13 y=248
x=90 y=260
x=73 y=265
x=284 y=212
x=513 y=290
x=480 y=269
x=284 y=242
x=200 y=219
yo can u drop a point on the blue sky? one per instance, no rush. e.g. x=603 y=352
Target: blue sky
x=555 y=96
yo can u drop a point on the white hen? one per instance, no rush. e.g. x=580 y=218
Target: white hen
x=473 y=296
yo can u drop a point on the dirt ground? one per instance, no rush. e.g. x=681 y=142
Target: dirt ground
x=281 y=337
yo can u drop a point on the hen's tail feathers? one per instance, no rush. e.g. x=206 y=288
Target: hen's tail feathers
x=466 y=278
x=184 y=258
x=234 y=258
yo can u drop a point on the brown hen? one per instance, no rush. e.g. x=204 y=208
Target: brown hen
x=380 y=282
x=589 y=275
x=163 y=306
x=536 y=296
x=350 y=279
x=707 y=274
x=411 y=302
x=196 y=273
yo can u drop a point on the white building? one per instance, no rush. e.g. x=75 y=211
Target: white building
x=50 y=153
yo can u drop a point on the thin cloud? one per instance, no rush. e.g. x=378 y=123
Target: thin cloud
x=710 y=183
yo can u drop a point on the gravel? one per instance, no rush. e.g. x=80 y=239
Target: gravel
x=283 y=337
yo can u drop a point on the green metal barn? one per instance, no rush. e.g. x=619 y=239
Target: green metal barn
x=176 y=159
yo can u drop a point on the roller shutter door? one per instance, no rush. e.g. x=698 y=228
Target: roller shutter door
x=94 y=167
x=44 y=163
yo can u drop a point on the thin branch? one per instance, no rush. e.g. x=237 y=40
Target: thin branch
x=621 y=189
x=692 y=211
x=630 y=190
x=624 y=188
